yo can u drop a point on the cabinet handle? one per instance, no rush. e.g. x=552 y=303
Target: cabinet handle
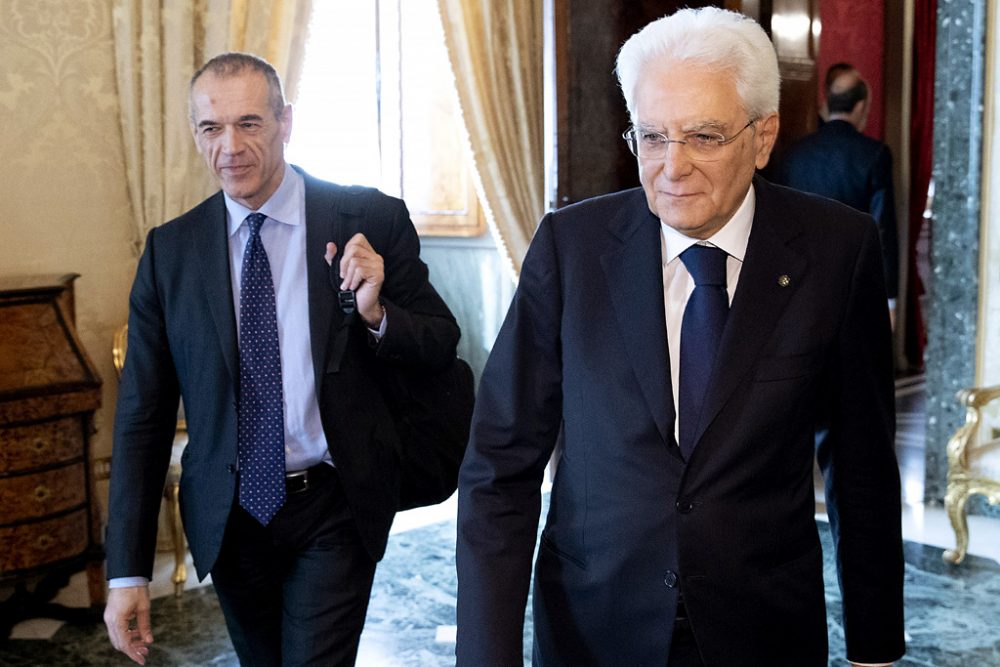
x=44 y=541
x=40 y=445
x=42 y=493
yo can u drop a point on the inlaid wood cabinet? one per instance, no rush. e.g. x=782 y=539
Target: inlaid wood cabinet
x=49 y=390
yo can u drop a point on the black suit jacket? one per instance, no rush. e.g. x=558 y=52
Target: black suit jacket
x=843 y=164
x=182 y=342
x=582 y=361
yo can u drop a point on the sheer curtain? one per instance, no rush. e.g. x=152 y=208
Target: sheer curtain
x=158 y=45
x=495 y=50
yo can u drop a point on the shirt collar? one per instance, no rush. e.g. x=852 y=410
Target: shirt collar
x=732 y=237
x=281 y=206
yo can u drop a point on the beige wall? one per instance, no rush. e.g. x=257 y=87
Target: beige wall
x=63 y=202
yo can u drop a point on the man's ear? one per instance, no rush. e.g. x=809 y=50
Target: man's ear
x=194 y=135
x=767 y=134
x=859 y=115
x=285 y=121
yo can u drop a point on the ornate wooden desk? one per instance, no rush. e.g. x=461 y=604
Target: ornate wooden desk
x=49 y=389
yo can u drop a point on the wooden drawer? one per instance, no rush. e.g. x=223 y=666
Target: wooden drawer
x=37 y=445
x=37 y=495
x=49 y=389
x=32 y=544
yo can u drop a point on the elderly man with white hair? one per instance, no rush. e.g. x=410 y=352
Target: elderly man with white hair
x=677 y=344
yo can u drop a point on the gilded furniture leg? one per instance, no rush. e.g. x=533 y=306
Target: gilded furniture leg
x=177 y=533
x=954 y=503
x=957 y=492
x=966 y=477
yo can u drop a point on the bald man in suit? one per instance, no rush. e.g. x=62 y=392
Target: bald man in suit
x=840 y=162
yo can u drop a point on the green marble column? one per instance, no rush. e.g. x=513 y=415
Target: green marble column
x=954 y=284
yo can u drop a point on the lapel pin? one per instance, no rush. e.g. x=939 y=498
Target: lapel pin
x=783 y=280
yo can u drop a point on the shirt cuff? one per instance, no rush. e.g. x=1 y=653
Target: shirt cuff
x=126 y=582
x=378 y=333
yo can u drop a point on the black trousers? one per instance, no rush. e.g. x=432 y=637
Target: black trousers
x=683 y=647
x=295 y=593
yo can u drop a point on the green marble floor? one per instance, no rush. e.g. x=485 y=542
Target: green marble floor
x=951 y=618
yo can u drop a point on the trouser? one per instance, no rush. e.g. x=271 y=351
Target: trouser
x=683 y=648
x=295 y=592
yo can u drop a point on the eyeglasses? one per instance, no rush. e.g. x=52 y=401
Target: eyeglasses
x=701 y=145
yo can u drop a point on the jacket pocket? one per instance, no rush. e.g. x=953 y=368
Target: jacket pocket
x=547 y=544
x=788 y=367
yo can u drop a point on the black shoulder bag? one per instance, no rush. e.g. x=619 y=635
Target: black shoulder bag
x=431 y=412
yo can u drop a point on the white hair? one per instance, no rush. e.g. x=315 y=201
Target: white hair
x=713 y=37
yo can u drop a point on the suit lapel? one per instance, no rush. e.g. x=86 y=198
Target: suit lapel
x=324 y=313
x=634 y=272
x=210 y=241
x=771 y=273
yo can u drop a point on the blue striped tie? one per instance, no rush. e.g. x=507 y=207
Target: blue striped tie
x=261 y=428
x=701 y=331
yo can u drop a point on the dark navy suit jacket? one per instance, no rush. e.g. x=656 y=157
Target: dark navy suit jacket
x=582 y=361
x=838 y=162
x=182 y=342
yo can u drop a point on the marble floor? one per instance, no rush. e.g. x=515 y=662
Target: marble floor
x=951 y=617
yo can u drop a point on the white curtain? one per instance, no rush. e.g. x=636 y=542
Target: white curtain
x=495 y=50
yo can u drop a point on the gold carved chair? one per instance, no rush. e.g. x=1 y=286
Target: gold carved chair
x=171 y=491
x=973 y=465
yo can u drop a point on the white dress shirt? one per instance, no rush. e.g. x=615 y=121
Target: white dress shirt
x=284 y=237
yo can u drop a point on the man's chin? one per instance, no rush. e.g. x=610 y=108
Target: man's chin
x=681 y=219
x=695 y=227
x=236 y=188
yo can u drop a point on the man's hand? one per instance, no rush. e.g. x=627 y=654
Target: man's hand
x=127 y=618
x=361 y=270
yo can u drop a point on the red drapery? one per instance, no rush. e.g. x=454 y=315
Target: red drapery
x=921 y=154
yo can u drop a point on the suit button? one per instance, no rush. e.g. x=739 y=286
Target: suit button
x=231 y=469
x=685 y=506
x=670 y=579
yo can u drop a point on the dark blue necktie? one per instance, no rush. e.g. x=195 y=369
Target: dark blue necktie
x=261 y=429
x=701 y=331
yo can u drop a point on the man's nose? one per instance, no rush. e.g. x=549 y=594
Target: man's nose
x=676 y=162
x=231 y=141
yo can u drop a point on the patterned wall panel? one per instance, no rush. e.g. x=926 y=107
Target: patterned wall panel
x=63 y=203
